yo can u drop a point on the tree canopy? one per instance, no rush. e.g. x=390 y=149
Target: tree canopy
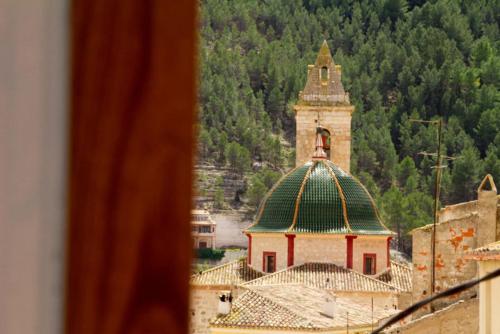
x=400 y=60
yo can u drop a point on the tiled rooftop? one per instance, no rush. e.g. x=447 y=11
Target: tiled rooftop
x=489 y=252
x=319 y=197
x=324 y=276
x=235 y=272
x=399 y=275
x=295 y=307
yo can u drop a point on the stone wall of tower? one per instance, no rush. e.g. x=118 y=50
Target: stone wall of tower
x=337 y=120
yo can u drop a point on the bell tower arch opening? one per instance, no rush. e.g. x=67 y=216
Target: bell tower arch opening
x=326 y=139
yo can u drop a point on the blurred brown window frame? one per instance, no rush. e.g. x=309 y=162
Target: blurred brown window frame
x=131 y=145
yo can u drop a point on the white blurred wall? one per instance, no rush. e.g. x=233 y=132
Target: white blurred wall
x=33 y=136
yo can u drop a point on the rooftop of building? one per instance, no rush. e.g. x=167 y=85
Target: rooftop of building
x=398 y=275
x=319 y=197
x=199 y=212
x=296 y=307
x=201 y=217
x=231 y=273
x=324 y=276
x=488 y=252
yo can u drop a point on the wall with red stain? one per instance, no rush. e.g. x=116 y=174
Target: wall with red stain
x=453 y=238
x=461 y=227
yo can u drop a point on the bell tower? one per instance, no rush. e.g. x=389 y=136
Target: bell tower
x=324 y=103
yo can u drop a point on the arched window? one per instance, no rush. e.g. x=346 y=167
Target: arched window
x=325 y=136
x=324 y=74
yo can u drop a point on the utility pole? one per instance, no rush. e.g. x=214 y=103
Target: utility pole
x=372 y=314
x=437 y=190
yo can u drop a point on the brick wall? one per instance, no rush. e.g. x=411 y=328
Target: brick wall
x=373 y=245
x=314 y=248
x=459 y=318
x=380 y=299
x=453 y=239
x=327 y=249
x=461 y=227
x=269 y=243
x=337 y=120
x=203 y=307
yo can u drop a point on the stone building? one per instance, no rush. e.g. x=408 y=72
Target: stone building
x=324 y=99
x=461 y=228
x=317 y=233
x=318 y=213
x=488 y=258
x=297 y=309
x=203 y=229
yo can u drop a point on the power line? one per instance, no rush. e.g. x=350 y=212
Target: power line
x=452 y=291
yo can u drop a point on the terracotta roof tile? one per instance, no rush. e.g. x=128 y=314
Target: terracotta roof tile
x=235 y=272
x=296 y=307
x=399 y=275
x=325 y=276
x=254 y=310
x=489 y=252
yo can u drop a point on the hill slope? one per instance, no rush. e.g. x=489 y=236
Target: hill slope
x=400 y=60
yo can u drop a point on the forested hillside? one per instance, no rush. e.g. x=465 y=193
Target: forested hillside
x=400 y=60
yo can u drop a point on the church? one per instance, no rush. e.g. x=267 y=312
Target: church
x=319 y=212
x=318 y=251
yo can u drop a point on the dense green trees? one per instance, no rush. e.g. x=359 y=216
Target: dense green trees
x=400 y=60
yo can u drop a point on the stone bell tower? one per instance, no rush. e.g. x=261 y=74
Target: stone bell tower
x=324 y=101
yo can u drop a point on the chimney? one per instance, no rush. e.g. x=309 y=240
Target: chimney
x=330 y=307
x=487 y=210
x=225 y=302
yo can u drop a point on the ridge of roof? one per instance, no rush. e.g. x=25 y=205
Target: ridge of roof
x=429 y=226
x=489 y=251
x=234 y=272
x=295 y=307
x=399 y=275
x=354 y=281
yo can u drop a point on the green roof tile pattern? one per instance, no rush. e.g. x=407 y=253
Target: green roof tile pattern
x=319 y=197
x=320 y=208
x=278 y=209
x=361 y=210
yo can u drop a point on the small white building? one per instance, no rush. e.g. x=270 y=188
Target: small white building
x=488 y=258
x=203 y=229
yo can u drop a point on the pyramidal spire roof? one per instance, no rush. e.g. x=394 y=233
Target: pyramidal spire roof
x=324 y=85
x=324 y=55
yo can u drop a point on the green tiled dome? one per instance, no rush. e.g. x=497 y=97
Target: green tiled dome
x=318 y=197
